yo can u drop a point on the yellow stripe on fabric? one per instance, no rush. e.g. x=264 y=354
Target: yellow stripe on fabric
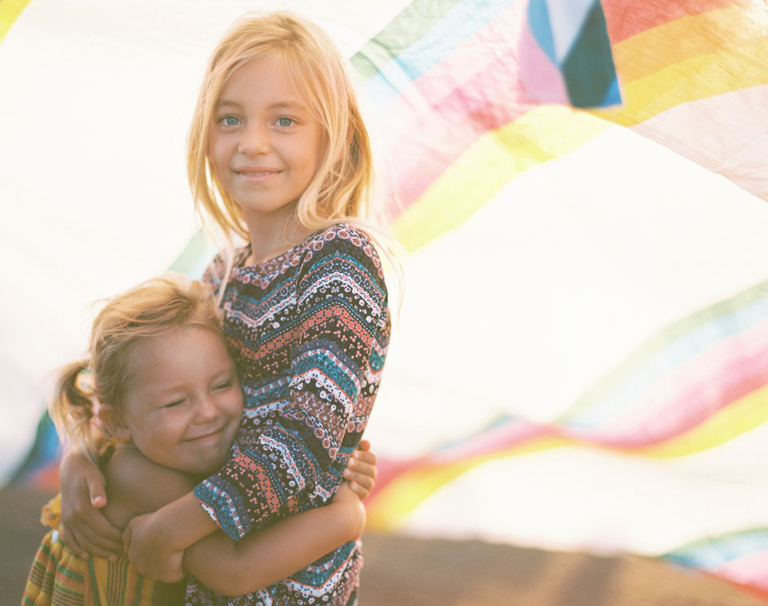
x=9 y=11
x=692 y=58
x=735 y=29
x=697 y=78
x=739 y=417
x=488 y=165
x=406 y=492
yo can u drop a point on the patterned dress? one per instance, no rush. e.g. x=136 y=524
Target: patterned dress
x=309 y=332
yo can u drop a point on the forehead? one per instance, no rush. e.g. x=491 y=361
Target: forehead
x=264 y=79
x=156 y=360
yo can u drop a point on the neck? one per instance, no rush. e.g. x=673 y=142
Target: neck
x=269 y=241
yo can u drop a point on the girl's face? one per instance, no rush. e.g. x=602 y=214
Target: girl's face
x=265 y=144
x=184 y=401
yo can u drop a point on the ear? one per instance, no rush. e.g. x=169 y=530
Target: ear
x=113 y=423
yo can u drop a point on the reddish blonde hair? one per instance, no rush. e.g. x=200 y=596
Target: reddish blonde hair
x=150 y=309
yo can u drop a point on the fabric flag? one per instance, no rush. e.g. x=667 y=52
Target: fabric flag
x=579 y=360
x=566 y=54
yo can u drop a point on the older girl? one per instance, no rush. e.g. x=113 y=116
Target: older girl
x=279 y=155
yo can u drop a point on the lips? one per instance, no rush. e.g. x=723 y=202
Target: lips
x=209 y=434
x=256 y=171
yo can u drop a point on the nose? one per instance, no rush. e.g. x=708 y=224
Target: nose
x=254 y=140
x=205 y=408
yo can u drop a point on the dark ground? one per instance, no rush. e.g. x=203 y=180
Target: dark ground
x=403 y=571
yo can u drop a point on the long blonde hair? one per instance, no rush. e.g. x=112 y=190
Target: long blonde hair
x=103 y=378
x=340 y=189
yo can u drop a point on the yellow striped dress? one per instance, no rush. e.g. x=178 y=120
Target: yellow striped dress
x=59 y=578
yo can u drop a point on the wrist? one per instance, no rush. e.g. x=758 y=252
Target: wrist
x=182 y=523
x=350 y=518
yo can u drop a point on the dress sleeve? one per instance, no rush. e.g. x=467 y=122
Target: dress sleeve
x=341 y=315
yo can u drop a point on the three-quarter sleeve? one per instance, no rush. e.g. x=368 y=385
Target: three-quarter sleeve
x=338 y=332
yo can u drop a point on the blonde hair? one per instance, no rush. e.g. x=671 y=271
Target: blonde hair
x=339 y=191
x=151 y=309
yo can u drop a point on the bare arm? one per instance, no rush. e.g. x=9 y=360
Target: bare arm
x=84 y=528
x=277 y=551
x=180 y=523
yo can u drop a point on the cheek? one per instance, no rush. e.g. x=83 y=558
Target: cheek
x=217 y=153
x=158 y=436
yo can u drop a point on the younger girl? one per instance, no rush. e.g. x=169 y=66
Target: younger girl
x=278 y=154
x=170 y=400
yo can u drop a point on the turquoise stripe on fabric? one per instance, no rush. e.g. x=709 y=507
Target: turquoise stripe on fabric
x=710 y=554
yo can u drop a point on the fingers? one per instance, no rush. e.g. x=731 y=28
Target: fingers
x=364 y=453
x=85 y=530
x=361 y=492
x=97 y=490
x=71 y=541
x=85 y=541
x=127 y=536
x=361 y=477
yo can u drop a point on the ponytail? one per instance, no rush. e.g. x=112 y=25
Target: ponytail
x=72 y=409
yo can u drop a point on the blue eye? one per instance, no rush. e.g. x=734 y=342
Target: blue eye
x=285 y=122
x=228 y=121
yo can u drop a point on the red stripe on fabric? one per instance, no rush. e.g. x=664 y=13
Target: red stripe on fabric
x=626 y=19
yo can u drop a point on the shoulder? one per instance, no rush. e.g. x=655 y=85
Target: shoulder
x=222 y=264
x=342 y=241
x=139 y=485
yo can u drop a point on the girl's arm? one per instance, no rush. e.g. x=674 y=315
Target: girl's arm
x=341 y=332
x=177 y=523
x=84 y=528
x=275 y=552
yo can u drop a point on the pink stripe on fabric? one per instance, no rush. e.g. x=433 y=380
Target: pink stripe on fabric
x=476 y=89
x=749 y=570
x=689 y=396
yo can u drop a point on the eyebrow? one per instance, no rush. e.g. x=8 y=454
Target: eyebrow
x=280 y=105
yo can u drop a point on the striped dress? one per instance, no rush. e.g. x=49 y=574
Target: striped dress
x=309 y=332
x=59 y=578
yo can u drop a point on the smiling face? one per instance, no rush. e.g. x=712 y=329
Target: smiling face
x=184 y=402
x=265 y=144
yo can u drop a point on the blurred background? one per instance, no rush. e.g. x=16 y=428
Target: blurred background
x=574 y=404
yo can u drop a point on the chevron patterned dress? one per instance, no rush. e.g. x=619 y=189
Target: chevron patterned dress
x=309 y=331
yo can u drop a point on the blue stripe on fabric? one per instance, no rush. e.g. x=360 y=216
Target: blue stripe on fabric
x=541 y=28
x=612 y=95
x=458 y=25
x=711 y=554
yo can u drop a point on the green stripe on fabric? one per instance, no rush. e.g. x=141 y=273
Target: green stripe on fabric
x=93 y=584
x=189 y=258
x=138 y=589
x=405 y=29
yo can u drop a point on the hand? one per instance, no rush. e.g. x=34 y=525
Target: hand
x=150 y=554
x=84 y=529
x=361 y=470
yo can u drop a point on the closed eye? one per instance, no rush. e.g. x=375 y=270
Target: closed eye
x=174 y=404
x=223 y=386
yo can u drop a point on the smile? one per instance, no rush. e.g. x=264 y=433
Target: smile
x=256 y=171
x=207 y=436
